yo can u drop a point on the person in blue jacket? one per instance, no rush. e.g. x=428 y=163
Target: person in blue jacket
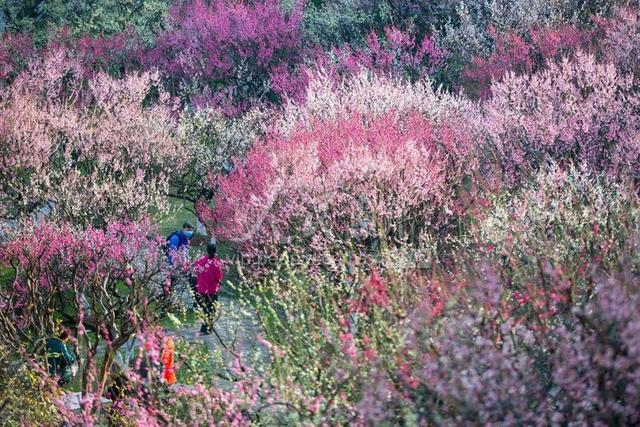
x=60 y=358
x=179 y=241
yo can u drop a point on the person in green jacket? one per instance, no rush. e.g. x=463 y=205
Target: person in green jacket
x=59 y=358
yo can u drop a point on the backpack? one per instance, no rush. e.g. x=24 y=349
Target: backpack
x=165 y=246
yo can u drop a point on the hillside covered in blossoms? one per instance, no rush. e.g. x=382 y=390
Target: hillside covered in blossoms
x=319 y=212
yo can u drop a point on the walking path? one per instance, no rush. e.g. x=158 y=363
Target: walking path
x=236 y=329
x=235 y=325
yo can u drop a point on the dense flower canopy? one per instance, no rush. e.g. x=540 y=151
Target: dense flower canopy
x=426 y=212
x=344 y=170
x=578 y=111
x=91 y=148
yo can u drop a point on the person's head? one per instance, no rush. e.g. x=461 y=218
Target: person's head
x=211 y=250
x=64 y=334
x=168 y=344
x=187 y=229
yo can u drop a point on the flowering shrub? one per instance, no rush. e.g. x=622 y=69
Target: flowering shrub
x=516 y=54
x=15 y=51
x=483 y=352
x=484 y=344
x=228 y=54
x=481 y=366
x=518 y=337
x=322 y=348
x=397 y=54
x=550 y=236
x=569 y=217
x=578 y=111
x=212 y=144
x=618 y=38
x=327 y=176
x=365 y=94
x=91 y=149
x=26 y=398
x=498 y=33
x=117 y=54
x=105 y=284
x=360 y=181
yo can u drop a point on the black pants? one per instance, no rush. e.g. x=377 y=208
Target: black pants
x=207 y=303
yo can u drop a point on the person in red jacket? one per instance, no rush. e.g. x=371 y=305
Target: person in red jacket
x=168 y=351
x=208 y=271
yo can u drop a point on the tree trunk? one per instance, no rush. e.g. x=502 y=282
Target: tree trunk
x=88 y=368
x=109 y=357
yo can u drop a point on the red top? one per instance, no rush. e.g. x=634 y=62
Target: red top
x=169 y=373
x=210 y=275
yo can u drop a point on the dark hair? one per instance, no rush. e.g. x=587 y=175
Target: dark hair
x=211 y=250
x=64 y=334
x=187 y=225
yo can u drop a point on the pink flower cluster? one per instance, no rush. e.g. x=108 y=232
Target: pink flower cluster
x=372 y=294
x=396 y=54
x=337 y=181
x=55 y=259
x=232 y=49
x=515 y=53
x=575 y=112
x=91 y=147
x=485 y=367
x=15 y=51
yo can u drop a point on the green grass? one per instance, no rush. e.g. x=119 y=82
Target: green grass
x=6 y=277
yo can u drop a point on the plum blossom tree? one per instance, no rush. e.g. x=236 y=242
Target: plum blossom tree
x=372 y=97
x=368 y=94
x=332 y=184
x=355 y=165
x=522 y=55
x=212 y=144
x=395 y=53
x=225 y=53
x=527 y=328
x=577 y=111
x=474 y=30
x=94 y=149
x=481 y=364
x=618 y=39
x=567 y=216
x=117 y=54
x=106 y=285
x=15 y=51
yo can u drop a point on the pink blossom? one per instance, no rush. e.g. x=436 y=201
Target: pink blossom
x=348 y=345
